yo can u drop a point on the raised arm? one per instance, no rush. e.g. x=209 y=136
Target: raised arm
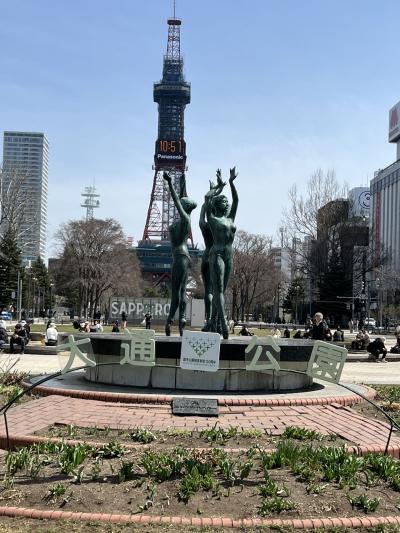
x=175 y=197
x=182 y=186
x=215 y=190
x=235 y=197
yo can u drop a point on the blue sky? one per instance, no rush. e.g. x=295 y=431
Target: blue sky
x=279 y=88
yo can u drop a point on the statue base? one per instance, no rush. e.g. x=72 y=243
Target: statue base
x=231 y=376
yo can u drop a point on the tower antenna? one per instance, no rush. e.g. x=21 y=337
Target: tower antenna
x=90 y=201
x=174 y=7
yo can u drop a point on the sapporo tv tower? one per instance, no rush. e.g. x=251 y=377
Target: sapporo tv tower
x=172 y=94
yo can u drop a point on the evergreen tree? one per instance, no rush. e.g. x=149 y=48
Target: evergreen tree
x=335 y=282
x=40 y=272
x=295 y=295
x=10 y=264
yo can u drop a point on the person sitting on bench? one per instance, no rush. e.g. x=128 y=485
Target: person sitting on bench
x=51 y=337
x=361 y=341
x=18 y=337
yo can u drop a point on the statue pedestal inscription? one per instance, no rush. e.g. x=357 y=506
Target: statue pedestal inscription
x=195 y=406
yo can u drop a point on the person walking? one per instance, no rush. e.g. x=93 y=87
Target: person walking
x=147 y=317
x=123 y=320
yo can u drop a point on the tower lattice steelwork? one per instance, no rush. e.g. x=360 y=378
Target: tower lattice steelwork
x=172 y=94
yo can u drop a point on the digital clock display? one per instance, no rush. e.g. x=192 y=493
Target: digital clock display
x=170 y=153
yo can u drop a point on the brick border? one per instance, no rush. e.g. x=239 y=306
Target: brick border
x=311 y=523
x=229 y=400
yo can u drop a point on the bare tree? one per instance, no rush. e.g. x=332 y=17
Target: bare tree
x=94 y=261
x=301 y=217
x=13 y=200
x=254 y=278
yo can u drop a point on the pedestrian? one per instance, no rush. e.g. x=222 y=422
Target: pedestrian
x=351 y=325
x=51 y=336
x=19 y=338
x=361 y=324
x=376 y=348
x=320 y=329
x=147 y=317
x=123 y=320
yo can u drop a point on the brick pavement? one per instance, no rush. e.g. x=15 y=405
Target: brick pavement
x=26 y=419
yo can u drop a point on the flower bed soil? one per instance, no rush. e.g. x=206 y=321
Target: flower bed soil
x=176 y=437
x=102 y=490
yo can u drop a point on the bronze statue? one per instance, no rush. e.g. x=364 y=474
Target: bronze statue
x=221 y=218
x=205 y=259
x=179 y=233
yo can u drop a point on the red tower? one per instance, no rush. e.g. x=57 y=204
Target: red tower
x=172 y=94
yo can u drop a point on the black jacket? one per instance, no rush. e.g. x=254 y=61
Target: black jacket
x=319 y=331
x=3 y=335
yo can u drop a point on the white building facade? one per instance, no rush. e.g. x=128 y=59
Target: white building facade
x=385 y=203
x=26 y=157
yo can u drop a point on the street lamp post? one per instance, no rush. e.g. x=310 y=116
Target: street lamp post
x=51 y=299
x=297 y=298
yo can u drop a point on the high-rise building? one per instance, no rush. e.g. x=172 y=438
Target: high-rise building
x=385 y=203
x=25 y=162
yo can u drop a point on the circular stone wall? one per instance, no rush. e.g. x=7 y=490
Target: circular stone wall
x=231 y=376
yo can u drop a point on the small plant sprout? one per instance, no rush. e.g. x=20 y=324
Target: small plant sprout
x=299 y=433
x=55 y=492
x=275 y=505
x=362 y=502
x=218 y=434
x=142 y=435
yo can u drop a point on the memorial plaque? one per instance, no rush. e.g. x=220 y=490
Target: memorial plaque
x=195 y=406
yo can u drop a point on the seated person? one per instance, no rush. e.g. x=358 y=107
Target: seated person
x=393 y=349
x=276 y=333
x=3 y=337
x=286 y=333
x=27 y=328
x=115 y=328
x=18 y=337
x=245 y=332
x=297 y=335
x=361 y=341
x=338 y=335
x=51 y=337
x=86 y=327
x=376 y=348
x=98 y=327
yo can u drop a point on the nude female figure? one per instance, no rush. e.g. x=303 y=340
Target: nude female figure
x=221 y=218
x=205 y=258
x=179 y=233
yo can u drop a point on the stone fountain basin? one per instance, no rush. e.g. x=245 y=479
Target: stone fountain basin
x=166 y=374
